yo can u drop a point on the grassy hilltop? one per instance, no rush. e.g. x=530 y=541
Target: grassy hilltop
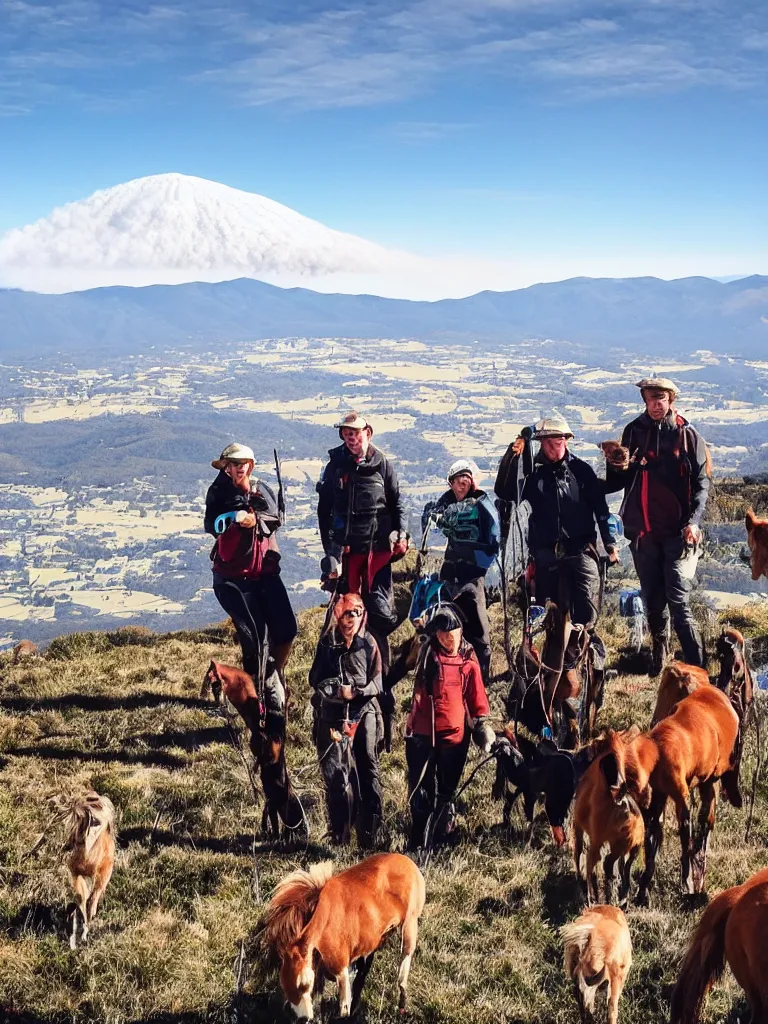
x=175 y=936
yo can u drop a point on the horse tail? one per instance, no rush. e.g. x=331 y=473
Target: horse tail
x=704 y=962
x=292 y=906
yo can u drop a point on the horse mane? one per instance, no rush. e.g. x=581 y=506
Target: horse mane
x=292 y=906
x=85 y=818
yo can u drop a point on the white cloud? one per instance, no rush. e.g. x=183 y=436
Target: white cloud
x=169 y=229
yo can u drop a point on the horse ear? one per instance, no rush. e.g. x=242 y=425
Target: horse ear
x=750 y=519
x=630 y=735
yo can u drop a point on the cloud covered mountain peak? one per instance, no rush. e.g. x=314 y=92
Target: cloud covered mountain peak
x=171 y=228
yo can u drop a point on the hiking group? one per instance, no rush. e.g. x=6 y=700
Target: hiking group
x=660 y=464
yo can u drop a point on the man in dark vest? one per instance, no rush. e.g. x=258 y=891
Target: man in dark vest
x=566 y=500
x=662 y=465
x=362 y=524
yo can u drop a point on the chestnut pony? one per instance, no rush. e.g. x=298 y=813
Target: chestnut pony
x=757 y=538
x=694 y=747
x=319 y=924
x=732 y=928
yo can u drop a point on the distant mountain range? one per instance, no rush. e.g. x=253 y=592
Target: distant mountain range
x=645 y=314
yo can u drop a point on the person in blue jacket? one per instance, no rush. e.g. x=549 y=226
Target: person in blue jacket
x=467 y=517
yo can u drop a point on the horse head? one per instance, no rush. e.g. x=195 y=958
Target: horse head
x=757 y=538
x=735 y=677
x=297 y=979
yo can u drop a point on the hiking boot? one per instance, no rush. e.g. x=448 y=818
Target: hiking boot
x=659 y=655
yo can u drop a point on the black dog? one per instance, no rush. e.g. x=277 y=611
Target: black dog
x=538 y=771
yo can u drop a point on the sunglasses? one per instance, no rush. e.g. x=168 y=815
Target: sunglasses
x=356 y=613
x=238 y=462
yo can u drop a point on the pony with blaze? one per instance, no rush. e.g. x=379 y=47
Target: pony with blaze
x=731 y=929
x=319 y=924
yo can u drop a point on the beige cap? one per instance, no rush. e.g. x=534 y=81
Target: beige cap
x=552 y=426
x=241 y=452
x=354 y=421
x=659 y=383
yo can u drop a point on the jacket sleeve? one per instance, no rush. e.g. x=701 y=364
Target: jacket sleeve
x=394 y=499
x=264 y=503
x=325 y=506
x=210 y=511
x=596 y=497
x=474 y=692
x=373 y=685
x=318 y=671
x=506 y=477
x=490 y=531
x=700 y=480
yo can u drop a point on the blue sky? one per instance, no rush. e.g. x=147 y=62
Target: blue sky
x=584 y=136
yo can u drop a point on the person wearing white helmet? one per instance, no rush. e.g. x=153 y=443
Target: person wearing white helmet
x=568 y=507
x=467 y=517
x=662 y=465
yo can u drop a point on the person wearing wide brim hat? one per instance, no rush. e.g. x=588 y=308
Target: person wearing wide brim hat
x=467 y=517
x=568 y=508
x=662 y=465
x=448 y=692
x=362 y=522
x=242 y=514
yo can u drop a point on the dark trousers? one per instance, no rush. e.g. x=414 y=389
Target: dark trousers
x=469 y=598
x=259 y=608
x=434 y=773
x=351 y=776
x=573 y=583
x=665 y=589
x=379 y=603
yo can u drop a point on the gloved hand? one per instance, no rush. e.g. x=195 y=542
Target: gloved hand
x=483 y=735
x=398 y=543
x=329 y=566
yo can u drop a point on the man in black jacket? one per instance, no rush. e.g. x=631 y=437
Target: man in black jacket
x=346 y=679
x=662 y=465
x=362 y=524
x=566 y=499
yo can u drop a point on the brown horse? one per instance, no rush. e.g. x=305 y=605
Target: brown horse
x=319 y=924
x=267 y=743
x=757 y=538
x=694 y=747
x=678 y=680
x=608 y=815
x=733 y=929
x=90 y=846
x=598 y=951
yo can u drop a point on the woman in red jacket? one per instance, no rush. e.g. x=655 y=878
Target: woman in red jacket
x=449 y=706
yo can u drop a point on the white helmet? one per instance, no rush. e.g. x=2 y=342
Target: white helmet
x=464 y=467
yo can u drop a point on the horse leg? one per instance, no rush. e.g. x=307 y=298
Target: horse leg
x=654 y=827
x=509 y=802
x=100 y=882
x=706 y=823
x=410 y=935
x=625 y=875
x=529 y=801
x=578 y=853
x=345 y=992
x=593 y=896
x=80 y=887
x=683 y=811
x=585 y=1015
x=364 y=966
x=609 y=870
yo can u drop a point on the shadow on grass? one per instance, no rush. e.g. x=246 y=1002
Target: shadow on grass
x=190 y=739
x=240 y=844
x=561 y=896
x=89 y=702
x=38 y=918
x=155 y=759
x=261 y=1008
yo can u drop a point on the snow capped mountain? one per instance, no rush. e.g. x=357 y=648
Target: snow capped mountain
x=173 y=228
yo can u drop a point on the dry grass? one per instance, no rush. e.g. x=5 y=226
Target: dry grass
x=122 y=714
